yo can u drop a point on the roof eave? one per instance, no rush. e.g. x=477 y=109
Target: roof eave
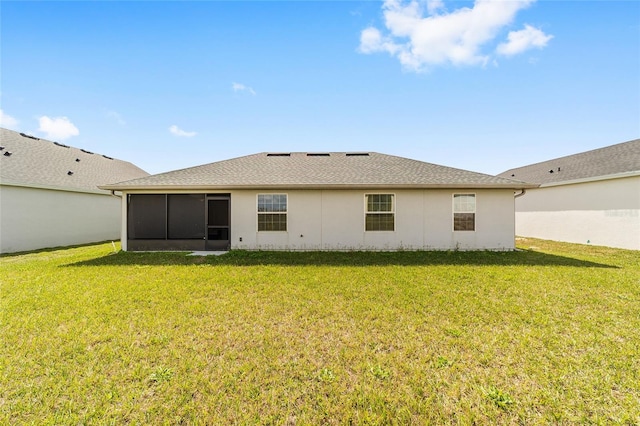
x=514 y=186
x=592 y=179
x=5 y=182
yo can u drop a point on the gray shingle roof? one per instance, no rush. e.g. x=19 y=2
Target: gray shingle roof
x=611 y=160
x=42 y=163
x=308 y=170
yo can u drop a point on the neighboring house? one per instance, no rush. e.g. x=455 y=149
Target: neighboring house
x=49 y=194
x=589 y=198
x=318 y=201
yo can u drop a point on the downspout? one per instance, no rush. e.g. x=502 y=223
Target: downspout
x=524 y=191
x=123 y=225
x=514 y=223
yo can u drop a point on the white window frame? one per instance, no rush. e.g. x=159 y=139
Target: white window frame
x=453 y=209
x=367 y=212
x=258 y=212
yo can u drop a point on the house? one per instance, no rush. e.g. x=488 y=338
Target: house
x=318 y=201
x=589 y=198
x=49 y=195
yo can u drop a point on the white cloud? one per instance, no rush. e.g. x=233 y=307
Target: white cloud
x=433 y=6
x=116 y=117
x=175 y=130
x=57 y=128
x=519 y=41
x=422 y=40
x=239 y=87
x=7 y=120
x=371 y=41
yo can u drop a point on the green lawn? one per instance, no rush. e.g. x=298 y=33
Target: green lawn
x=549 y=334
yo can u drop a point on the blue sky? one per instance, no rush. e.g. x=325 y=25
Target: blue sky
x=483 y=86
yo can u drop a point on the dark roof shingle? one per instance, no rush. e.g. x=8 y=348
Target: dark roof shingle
x=42 y=163
x=611 y=160
x=309 y=170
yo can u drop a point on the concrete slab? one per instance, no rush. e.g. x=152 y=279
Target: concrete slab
x=207 y=253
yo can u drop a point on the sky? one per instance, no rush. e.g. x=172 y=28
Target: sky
x=479 y=85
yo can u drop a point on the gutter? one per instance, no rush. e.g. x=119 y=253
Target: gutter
x=165 y=187
x=53 y=188
x=592 y=179
x=524 y=191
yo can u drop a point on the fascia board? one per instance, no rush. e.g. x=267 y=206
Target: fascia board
x=592 y=179
x=165 y=188
x=53 y=188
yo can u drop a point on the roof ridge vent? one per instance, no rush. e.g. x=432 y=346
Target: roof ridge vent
x=61 y=144
x=318 y=154
x=85 y=151
x=278 y=154
x=107 y=157
x=357 y=154
x=29 y=136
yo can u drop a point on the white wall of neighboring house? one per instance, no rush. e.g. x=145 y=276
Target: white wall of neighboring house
x=35 y=218
x=599 y=212
x=335 y=220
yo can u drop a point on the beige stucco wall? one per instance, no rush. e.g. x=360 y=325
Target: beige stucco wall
x=334 y=220
x=32 y=218
x=605 y=212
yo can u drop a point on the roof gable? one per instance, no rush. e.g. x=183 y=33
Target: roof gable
x=29 y=161
x=317 y=170
x=611 y=160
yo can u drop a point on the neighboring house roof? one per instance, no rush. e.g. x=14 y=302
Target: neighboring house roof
x=616 y=160
x=318 y=170
x=33 y=162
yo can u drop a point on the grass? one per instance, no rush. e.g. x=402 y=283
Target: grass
x=549 y=334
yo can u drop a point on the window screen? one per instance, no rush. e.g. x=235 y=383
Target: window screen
x=147 y=216
x=218 y=213
x=186 y=216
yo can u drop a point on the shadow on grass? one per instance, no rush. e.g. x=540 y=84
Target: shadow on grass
x=57 y=248
x=408 y=258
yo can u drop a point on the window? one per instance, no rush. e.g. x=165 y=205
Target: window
x=272 y=212
x=464 y=212
x=380 y=212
